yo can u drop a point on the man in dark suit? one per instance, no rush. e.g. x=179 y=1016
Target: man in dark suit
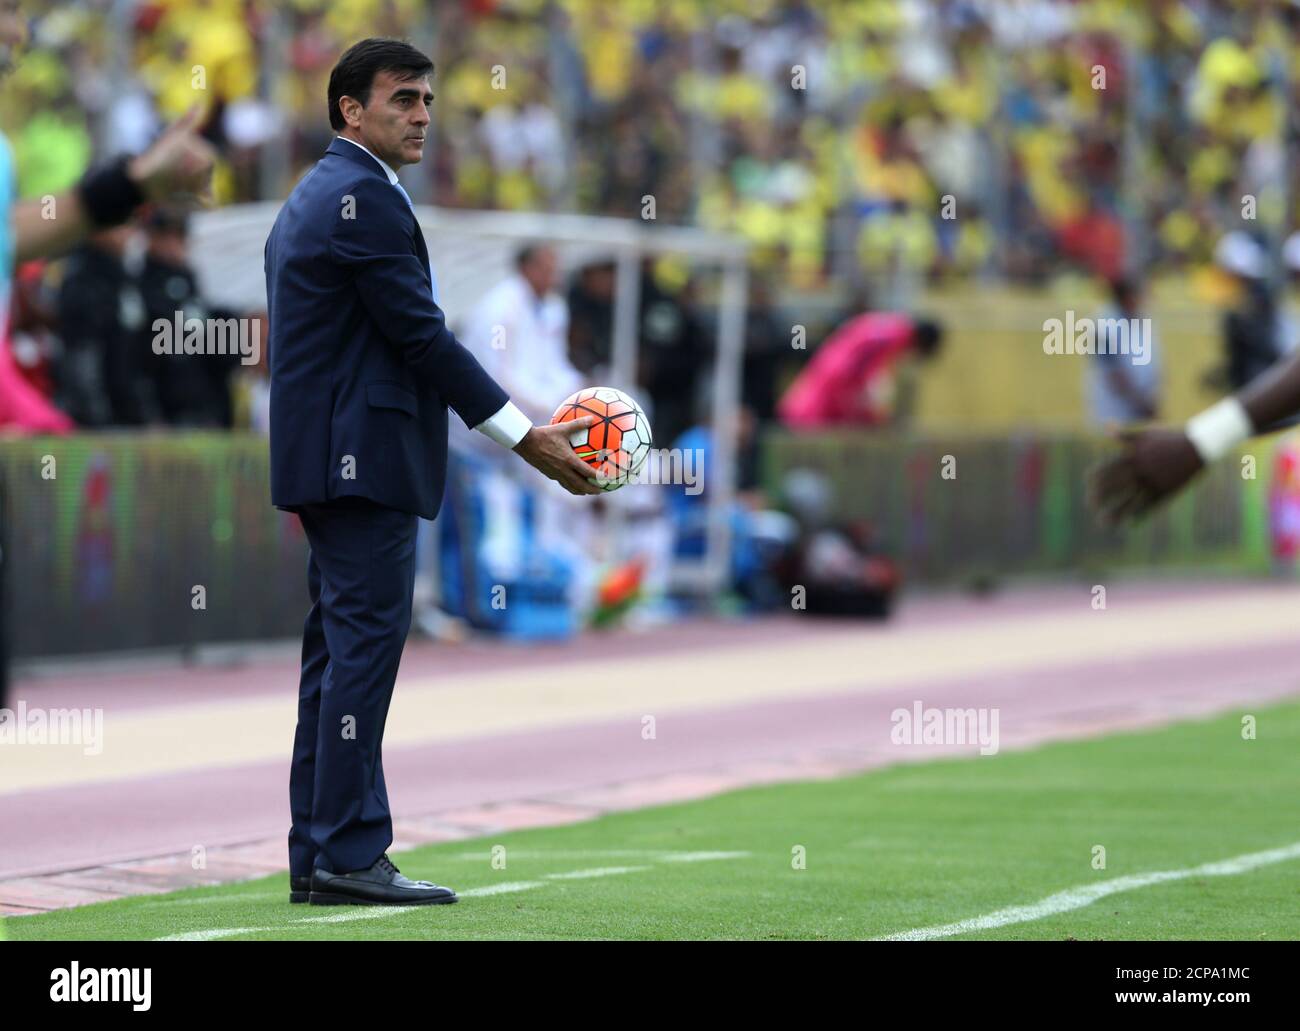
x=363 y=370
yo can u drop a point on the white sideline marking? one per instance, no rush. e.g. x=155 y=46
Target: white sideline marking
x=498 y=889
x=701 y=857
x=659 y=854
x=1084 y=895
x=209 y=935
x=600 y=871
x=349 y=913
x=374 y=912
x=566 y=853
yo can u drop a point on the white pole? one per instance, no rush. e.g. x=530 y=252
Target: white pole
x=720 y=481
x=627 y=319
x=274 y=160
x=627 y=313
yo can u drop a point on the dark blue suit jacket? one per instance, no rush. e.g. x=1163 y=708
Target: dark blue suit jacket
x=363 y=366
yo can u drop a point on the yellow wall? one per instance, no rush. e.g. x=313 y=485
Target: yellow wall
x=993 y=374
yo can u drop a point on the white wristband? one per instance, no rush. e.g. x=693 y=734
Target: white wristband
x=1218 y=429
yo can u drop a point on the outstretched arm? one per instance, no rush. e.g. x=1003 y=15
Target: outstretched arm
x=1158 y=462
x=177 y=166
x=38 y=235
x=1273 y=397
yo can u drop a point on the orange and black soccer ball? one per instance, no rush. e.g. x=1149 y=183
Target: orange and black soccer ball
x=617 y=444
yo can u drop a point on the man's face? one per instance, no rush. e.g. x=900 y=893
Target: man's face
x=394 y=125
x=542 y=271
x=114 y=240
x=169 y=247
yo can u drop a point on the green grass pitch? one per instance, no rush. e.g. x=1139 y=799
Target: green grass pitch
x=910 y=846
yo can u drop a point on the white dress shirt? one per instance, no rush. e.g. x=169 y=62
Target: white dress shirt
x=509 y=425
x=522 y=340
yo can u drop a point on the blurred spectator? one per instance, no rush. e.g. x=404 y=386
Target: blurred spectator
x=34 y=324
x=591 y=319
x=519 y=333
x=832 y=567
x=1123 y=384
x=769 y=351
x=760 y=535
x=1250 y=328
x=896 y=141
x=674 y=352
x=1289 y=319
x=192 y=390
x=253 y=386
x=102 y=376
x=863 y=373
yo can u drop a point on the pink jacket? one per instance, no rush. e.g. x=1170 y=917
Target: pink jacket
x=836 y=386
x=22 y=407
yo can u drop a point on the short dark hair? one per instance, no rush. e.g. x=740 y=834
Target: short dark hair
x=927 y=336
x=161 y=219
x=355 y=73
x=1125 y=291
x=527 y=252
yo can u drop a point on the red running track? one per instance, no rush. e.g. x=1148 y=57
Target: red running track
x=576 y=770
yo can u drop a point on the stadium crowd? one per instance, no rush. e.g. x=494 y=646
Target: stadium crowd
x=849 y=142
x=862 y=147
x=886 y=141
x=828 y=133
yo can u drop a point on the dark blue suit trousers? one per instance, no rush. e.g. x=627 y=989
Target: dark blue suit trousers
x=360 y=573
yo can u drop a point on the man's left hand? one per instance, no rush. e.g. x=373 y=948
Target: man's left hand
x=547 y=449
x=1155 y=464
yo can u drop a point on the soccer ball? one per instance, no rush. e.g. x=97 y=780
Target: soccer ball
x=618 y=443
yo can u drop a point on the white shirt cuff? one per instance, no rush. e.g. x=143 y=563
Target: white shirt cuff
x=508 y=427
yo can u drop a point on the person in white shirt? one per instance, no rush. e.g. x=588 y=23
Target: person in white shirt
x=1124 y=376
x=519 y=333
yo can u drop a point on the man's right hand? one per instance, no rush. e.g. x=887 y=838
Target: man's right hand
x=547 y=449
x=178 y=166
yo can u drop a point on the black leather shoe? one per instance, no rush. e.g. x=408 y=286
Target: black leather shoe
x=380 y=885
x=299 y=889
